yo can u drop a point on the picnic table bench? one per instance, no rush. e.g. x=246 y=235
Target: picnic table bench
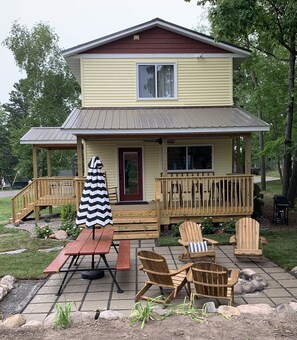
x=86 y=245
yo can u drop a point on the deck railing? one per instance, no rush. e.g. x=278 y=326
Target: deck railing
x=205 y=195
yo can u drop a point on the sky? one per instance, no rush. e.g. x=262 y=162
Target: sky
x=80 y=21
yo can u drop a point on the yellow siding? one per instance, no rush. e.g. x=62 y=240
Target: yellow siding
x=222 y=148
x=108 y=153
x=201 y=82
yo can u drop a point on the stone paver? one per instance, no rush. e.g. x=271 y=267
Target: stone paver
x=100 y=294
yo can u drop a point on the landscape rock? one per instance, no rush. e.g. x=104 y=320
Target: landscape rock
x=293 y=304
x=256 y=309
x=210 y=307
x=259 y=278
x=60 y=235
x=8 y=280
x=294 y=271
x=81 y=317
x=49 y=321
x=248 y=287
x=32 y=323
x=4 y=290
x=284 y=308
x=50 y=249
x=111 y=315
x=228 y=310
x=246 y=273
x=14 y=321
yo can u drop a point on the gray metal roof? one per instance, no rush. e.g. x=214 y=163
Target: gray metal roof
x=179 y=120
x=48 y=136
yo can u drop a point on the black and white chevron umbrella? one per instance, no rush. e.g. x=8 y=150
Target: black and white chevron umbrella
x=94 y=209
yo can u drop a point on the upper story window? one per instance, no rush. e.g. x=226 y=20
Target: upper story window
x=156 y=81
x=199 y=157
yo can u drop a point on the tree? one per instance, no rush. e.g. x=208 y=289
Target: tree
x=44 y=97
x=270 y=26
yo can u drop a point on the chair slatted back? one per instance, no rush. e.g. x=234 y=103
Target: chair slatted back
x=247 y=233
x=210 y=279
x=156 y=267
x=190 y=232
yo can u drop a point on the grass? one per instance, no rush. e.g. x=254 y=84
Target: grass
x=5 y=208
x=29 y=264
x=281 y=248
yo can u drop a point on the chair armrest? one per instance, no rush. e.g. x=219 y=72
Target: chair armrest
x=232 y=239
x=209 y=240
x=263 y=240
x=184 y=243
x=186 y=266
x=234 y=277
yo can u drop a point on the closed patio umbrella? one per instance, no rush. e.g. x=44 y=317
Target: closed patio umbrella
x=94 y=209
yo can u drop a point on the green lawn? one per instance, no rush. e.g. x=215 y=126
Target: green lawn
x=29 y=264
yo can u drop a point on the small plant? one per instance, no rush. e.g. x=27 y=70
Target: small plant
x=175 y=230
x=71 y=229
x=258 y=202
x=229 y=226
x=144 y=313
x=187 y=308
x=62 y=317
x=43 y=232
x=208 y=226
x=68 y=213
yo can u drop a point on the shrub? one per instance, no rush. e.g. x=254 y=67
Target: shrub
x=43 y=232
x=68 y=213
x=71 y=229
x=175 y=230
x=208 y=226
x=229 y=226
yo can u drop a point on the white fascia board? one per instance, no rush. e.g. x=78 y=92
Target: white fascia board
x=48 y=142
x=156 y=56
x=165 y=131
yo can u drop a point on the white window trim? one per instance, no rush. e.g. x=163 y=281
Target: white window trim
x=193 y=170
x=156 y=64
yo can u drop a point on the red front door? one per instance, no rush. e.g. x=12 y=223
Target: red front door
x=130 y=168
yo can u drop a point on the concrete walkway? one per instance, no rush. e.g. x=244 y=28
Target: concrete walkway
x=101 y=294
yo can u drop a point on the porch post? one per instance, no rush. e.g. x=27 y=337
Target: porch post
x=35 y=167
x=49 y=162
x=164 y=157
x=79 y=157
x=237 y=155
x=49 y=173
x=248 y=154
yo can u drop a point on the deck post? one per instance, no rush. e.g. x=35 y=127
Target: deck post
x=35 y=166
x=248 y=154
x=164 y=157
x=49 y=172
x=79 y=157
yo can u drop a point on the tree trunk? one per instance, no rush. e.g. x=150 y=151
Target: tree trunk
x=293 y=184
x=289 y=121
x=261 y=134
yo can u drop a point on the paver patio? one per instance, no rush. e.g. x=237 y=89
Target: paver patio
x=101 y=294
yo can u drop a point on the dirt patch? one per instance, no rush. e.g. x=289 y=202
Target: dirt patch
x=174 y=327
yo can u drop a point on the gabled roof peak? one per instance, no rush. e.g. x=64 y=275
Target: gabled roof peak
x=157 y=22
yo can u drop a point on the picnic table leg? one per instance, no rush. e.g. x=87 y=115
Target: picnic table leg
x=65 y=276
x=111 y=273
x=115 y=248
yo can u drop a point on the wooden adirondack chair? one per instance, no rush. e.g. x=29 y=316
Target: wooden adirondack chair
x=247 y=241
x=156 y=268
x=191 y=232
x=213 y=280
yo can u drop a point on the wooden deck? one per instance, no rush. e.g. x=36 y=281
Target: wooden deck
x=177 y=199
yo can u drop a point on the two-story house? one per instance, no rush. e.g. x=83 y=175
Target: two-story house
x=157 y=108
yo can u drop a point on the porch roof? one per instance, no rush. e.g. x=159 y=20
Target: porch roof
x=48 y=137
x=173 y=120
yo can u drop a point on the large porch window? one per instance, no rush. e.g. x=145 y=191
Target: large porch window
x=156 y=81
x=187 y=158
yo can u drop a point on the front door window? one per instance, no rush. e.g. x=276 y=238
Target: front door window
x=130 y=174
